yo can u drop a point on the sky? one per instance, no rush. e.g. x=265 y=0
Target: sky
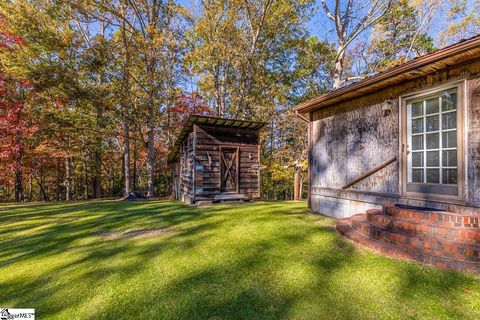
x=320 y=26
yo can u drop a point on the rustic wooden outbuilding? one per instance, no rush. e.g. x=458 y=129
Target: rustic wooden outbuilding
x=404 y=143
x=216 y=159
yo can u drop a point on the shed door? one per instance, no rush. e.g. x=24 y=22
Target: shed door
x=229 y=170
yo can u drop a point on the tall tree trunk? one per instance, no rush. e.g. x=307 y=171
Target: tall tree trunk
x=150 y=159
x=97 y=178
x=126 y=159
x=297 y=193
x=58 y=181
x=126 y=100
x=18 y=178
x=339 y=65
x=85 y=179
x=150 y=68
x=41 y=184
x=151 y=148
x=30 y=188
x=135 y=173
x=112 y=182
x=68 y=178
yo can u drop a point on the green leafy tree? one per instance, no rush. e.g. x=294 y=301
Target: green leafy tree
x=397 y=37
x=464 y=20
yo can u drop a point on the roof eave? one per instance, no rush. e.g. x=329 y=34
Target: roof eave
x=458 y=48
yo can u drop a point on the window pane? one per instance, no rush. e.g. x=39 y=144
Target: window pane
x=449 y=120
x=449 y=139
x=432 y=106
x=417 y=109
x=417 y=159
x=433 y=141
x=449 y=176
x=433 y=175
x=417 y=142
x=449 y=101
x=433 y=159
x=417 y=175
x=417 y=125
x=433 y=123
x=449 y=158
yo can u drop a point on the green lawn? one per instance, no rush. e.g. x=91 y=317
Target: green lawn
x=267 y=260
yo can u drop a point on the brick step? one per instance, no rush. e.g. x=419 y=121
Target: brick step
x=415 y=244
x=345 y=228
x=447 y=219
x=425 y=228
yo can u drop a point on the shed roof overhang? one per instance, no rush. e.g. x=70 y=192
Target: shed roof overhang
x=450 y=56
x=210 y=121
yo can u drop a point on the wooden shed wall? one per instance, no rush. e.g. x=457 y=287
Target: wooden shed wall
x=354 y=136
x=209 y=141
x=185 y=170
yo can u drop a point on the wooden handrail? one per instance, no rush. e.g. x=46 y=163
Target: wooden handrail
x=370 y=172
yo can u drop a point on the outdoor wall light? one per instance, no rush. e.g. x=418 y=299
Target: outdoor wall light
x=387 y=107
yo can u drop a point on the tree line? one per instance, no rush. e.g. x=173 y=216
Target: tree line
x=94 y=92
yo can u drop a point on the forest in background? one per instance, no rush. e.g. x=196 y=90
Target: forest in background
x=94 y=92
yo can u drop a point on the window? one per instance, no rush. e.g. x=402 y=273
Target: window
x=434 y=143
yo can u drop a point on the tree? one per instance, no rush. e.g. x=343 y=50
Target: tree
x=464 y=20
x=397 y=37
x=350 y=20
x=184 y=106
x=243 y=53
x=15 y=124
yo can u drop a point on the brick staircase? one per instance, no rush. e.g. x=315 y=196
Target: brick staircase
x=443 y=239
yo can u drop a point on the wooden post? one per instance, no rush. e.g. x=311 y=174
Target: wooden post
x=297 y=191
x=68 y=178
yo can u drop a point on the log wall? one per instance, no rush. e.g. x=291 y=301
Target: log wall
x=198 y=170
x=185 y=169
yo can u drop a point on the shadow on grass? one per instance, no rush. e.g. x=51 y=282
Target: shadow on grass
x=267 y=260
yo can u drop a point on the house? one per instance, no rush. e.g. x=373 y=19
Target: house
x=403 y=146
x=216 y=159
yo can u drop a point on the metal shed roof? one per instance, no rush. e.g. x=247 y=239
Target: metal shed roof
x=210 y=121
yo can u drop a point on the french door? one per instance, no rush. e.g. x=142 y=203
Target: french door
x=434 y=144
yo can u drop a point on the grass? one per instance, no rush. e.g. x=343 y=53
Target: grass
x=267 y=260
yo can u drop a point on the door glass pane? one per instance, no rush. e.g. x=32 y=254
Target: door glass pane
x=417 y=142
x=449 y=158
x=433 y=175
x=417 y=159
x=449 y=139
x=433 y=159
x=433 y=141
x=449 y=176
x=417 y=109
x=449 y=120
x=433 y=123
x=432 y=106
x=417 y=175
x=417 y=125
x=449 y=101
